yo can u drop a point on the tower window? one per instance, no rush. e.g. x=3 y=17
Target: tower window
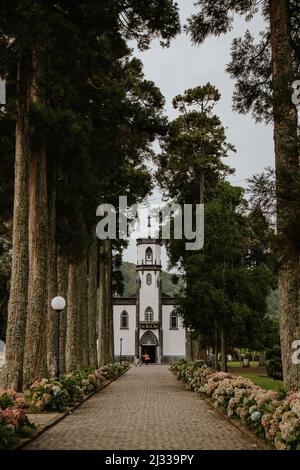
x=149 y=279
x=149 y=315
x=149 y=256
x=124 y=320
x=173 y=321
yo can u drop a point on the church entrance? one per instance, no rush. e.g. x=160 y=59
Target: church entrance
x=148 y=344
x=151 y=351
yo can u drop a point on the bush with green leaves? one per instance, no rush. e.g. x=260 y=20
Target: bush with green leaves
x=71 y=388
x=270 y=414
x=48 y=395
x=274 y=363
x=6 y=401
x=13 y=422
x=185 y=370
x=11 y=399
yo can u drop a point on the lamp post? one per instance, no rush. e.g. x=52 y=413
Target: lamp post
x=58 y=304
x=121 y=341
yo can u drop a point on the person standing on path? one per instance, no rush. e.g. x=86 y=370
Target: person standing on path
x=146 y=358
x=138 y=362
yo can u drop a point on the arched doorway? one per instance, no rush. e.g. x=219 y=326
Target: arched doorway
x=148 y=344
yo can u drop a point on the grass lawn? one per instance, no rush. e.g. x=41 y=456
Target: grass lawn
x=258 y=375
x=262 y=380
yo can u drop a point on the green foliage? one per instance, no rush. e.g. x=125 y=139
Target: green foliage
x=13 y=423
x=48 y=395
x=274 y=368
x=101 y=115
x=193 y=147
x=250 y=62
x=226 y=285
x=274 y=363
x=260 y=379
x=227 y=282
x=185 y=370
x=5 y=270
x=6 y=200
x=273 y=415
x=71 y=388
x=6 y=401
x=71 y=385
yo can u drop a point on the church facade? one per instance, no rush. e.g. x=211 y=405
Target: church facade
x=147 y=322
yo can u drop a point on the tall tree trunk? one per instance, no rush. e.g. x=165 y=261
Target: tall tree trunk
x=92 y=303
x=216 y=350
x=72 y=317
x=17 y=306
x=52 y=320
x=223 y=352
x=62 y=290
x=189 y=346
x=287 y=170
x=201 y=339
x=109 y=303
x=102 y=339
x=79 y=318
x=84 y=336
x=35 y=345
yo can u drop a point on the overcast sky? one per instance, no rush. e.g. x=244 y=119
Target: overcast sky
x=183 y=66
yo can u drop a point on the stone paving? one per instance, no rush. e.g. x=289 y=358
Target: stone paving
x=145 y=409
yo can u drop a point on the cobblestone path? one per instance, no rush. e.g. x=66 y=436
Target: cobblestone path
x=145 y=409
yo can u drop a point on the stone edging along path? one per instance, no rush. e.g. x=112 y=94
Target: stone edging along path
x=60 y=416
x=261 y=442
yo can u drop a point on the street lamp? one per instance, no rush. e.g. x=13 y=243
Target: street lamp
x=58 y=304
x=121 y=341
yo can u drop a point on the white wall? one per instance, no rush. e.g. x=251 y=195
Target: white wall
x=149 y=295
x=128 y=344
x=174 y=340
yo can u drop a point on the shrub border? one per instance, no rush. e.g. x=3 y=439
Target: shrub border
x=63 y=415
x=261 y=442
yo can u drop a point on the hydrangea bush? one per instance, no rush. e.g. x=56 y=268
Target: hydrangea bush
x=11 y=399
x=185 y=370
x=50 y=395
x=272 y=415
x=13 y=421
x=71 y=388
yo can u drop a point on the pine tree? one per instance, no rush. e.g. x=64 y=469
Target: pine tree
x=227 y=282
x=66 y=100
x=264 y=74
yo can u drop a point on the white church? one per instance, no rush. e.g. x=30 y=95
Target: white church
x=146 y=322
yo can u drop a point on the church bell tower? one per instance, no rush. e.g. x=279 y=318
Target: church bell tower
x=149 y=299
